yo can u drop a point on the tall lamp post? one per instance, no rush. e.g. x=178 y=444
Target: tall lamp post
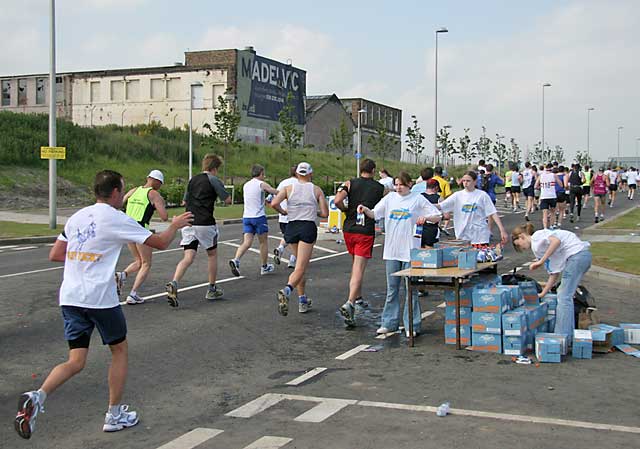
x=191 y=99
x=359 y=143
x=542 y=143
x=637 y=158
x=435 y=125
x=620 y=128
x=588 y=131
x=52 y=115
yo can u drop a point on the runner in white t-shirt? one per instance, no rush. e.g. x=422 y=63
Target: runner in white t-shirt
x=632 y=179
x=614 y=178
x=528 y=190
x=283 y=220
x=386 y=180
x=89 y=247
x=546 y=182
x=254 y=220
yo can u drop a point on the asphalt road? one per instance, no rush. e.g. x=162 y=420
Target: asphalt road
x=191 y=366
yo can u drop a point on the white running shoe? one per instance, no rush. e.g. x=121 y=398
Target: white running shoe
x=134 y=299
x=382 y=330
x=291 y=264
x=276 y=256
x=304 y=305
x=28 y=408
x=235 y=267
x=268 y=268
x=123 y=420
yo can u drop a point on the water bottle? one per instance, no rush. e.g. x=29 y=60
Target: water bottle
x=269 y=198
x=418 y=231
x=360 y=219
x=443 y=410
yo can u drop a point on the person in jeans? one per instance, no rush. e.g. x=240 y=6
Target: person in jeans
x=565 y=257
x=402 y=210
x=358 y=237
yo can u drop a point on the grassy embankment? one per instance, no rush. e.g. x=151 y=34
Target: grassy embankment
x=619 y=256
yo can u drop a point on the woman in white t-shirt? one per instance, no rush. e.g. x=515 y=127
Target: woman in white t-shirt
x=401 y=211
x=563 y=254
x=472 y=208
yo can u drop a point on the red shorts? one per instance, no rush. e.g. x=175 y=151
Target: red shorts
x=359 y=244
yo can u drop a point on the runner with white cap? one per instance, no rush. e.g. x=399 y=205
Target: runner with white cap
x=140 y=203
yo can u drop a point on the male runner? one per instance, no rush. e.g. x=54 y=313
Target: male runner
x=283 y=220
x=528 y=183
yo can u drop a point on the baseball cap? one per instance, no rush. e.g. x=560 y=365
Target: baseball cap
x=156 y=174
x=304 y=169
x=432 y=183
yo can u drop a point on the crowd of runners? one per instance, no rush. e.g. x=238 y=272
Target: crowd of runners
x=412 y=214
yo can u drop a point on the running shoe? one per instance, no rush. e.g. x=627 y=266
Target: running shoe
x=422 y=293
x=361 y=302
x=172 y=293
x=596 y=219
x=291 y=264
x=268 y=268
x=571 y=218
x=235 y=267
x=304 y=304
x=276 y=256
x=134 y=299
x=283 y=303
x=349 y=313
x=120 y=278
x=382 y=330
x=28 y=408
x=526 y=217
x=123 y=420
x=213 y=292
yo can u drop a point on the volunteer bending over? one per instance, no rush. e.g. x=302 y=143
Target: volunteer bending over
x=564 y=255
x=401 y=211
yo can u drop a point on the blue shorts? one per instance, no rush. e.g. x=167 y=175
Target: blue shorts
x=79 y=323
x=256 y=225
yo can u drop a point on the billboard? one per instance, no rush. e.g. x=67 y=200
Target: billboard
x=263 y=86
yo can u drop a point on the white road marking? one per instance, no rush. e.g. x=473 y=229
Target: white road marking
x=442 y=305
x=337 y=254
x=22 y=248
x=332 y=251
x=253 y=250
x=352 y=352
x=8 y=246
x=30 y=272
x=191 y=287
x=306 y=376
x=324 y=410
x=256 y=406
x=518 y=269
x=269 y=442
x=192 y=439
x=387 y=335
x=426 y=314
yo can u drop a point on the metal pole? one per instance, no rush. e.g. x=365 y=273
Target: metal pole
x=543 y=147
x=619 y=129
x=358 y=146
x=588 y=133
x=190 y=131
x=52 y=115
x=436 y=155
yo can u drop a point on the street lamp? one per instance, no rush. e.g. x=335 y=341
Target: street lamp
x=637 y=158
x=588 y=133
x=542 y=143
x=435 y=126
x=197 y=84
x=52 y=114
x=359 y=143
x=620 y=128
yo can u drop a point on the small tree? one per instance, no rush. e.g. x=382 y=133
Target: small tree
x=414 y=139
x=482 y=146
x=227 y=120
x=382 y=143
x=583 y=158
x=465 y=150
x=445 y=145
x=538 y=153
x=342 y=142
x=291 y=134
x=514 y=151
x=499 y=152
x=558 y=154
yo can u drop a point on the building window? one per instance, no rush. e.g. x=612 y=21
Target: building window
x=117 y=91
x=95 y=91
x=59 y=90
x=157 y=89
x=22 y=92
x=40 y=90
x=6 y=93
x=218 y=90
x=173 y=88
x=133 y=90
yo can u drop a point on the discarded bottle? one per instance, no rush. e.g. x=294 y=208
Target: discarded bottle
x=418 y=231
x=360 y=219
x=443 y=410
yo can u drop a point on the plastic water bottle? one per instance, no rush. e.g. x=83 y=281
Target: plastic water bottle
x=269 y=198
x=360 y=219
x=443 y=410
x=418 y=231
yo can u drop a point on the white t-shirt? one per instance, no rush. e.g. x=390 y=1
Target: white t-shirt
x=284 y=183
x=400 y=214
x=387 y=183
x=613 y=177
x=94 y=237
x=632 y=177
x=547 y=185
x=470 y=212
x=527 y=178
x=570 y=244
x=253 y=196
x=515 y=179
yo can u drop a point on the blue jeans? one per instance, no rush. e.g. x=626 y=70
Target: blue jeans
x=391 y=312
x=577 y=265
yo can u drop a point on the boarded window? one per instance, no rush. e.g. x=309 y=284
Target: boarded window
x=22 y=92
x=218 y=90
x=197 y=97
x=59 y=90
x=173 y=88
x=117 y=91
x=6 y=93
x=40 y=90
x=133 y=90
x=95 y=91
x=157 y=89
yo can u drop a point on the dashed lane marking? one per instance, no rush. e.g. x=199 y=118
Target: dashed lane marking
x=30 y=272
x=387 y=335
x=192 y=439
x=426 y=314
x=442 y=305
x=269 y=442
x=352 y=352
x=184 y=289
x=306 y=376
x=321 y=248
x=22 y=248
x=8 y=246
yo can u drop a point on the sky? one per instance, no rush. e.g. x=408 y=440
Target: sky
x=491 y=64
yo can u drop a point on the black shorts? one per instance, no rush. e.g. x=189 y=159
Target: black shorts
x=623 y=182
x=79 y=323
x=508 y=189
x=301 y=231
x=515 y=189
x=283 y=227
x=613 y=187
x=561 y=197
x=632 y=186
x=528 y=191
x=586 y=190
x=548 y=203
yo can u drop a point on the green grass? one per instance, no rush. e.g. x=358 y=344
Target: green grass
x=11 y=229
x=617 y=256
x=630 y=220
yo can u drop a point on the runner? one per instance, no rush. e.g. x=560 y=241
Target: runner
x=536 y=189
x=488 y=182
x=574 y=184
x=561 y=196
x=200 y=198
x=586 y=186
x=358 y=235
x=599 y=185
x=305 y=202
x=548 y=200
x=622 y=176
x=254 y=221
x=89 y=247
x=386 y=180
x=421 y=183
x=528 y=182
x=140 y=204
x=507 y=187
x=632 y=178
x=565 y=257
x=516 y=181
x=614 y=179
x=283 y=220
x=401 y=210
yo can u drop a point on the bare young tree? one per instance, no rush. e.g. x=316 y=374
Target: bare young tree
x=414 y=139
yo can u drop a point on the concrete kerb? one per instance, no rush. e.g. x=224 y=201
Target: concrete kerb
x=619 y=278
x=596 y=227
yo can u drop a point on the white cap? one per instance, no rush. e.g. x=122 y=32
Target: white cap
x=304 y=169
x=156 y=174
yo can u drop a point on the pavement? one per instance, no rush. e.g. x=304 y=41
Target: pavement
x=234 y=374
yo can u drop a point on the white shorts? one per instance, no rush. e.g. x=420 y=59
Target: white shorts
x=207 y=236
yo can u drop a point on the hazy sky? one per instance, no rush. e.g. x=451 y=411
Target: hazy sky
x=492 y=63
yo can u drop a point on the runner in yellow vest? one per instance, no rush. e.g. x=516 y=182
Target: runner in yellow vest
x=586 y=187
x=141 y=202
x=507 y=187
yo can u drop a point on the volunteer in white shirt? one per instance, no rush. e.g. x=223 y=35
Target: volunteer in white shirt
x=471 y=209
x=283 y=221
x=564 y=256
x=632 y=179
x=401 y=210
x=254 y=220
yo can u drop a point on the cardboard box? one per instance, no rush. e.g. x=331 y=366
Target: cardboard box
x=486 y=342
x=529 y=292
x=466 y=295
x=552 y=301
x=468 y=259
x=515 y=293
x=514 y=323
x=536 y=315
x=530 y=340
x=450 y=335
x=629 y=350
x=450 y=315
x=463 y=243
x=549 y=347
x=450 y=256
x=631 y=333
x=492 y=300
x=487 y=323
x=551 y=323
x=514 y=344
x=564 y=346
x=582 y=344
x=617 y=333
x=426 y=258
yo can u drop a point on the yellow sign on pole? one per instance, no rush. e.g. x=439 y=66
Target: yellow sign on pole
x=53 y=152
